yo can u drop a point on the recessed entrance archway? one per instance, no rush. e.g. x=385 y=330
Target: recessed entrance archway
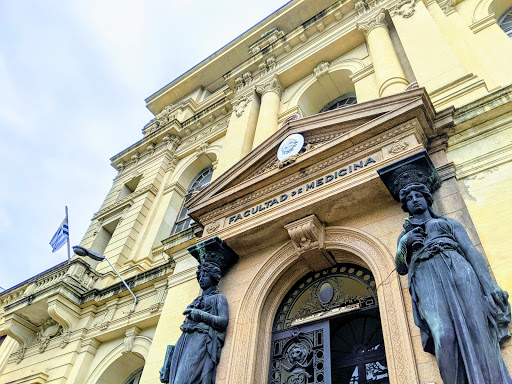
x=251 y=338
x=327 y=330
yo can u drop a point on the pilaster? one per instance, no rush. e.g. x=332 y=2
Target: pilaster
x=240 y=132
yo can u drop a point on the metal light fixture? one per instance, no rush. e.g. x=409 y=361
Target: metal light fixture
x=83 y=252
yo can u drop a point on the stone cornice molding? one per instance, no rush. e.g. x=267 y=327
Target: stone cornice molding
x=216 y=110
x=376 y=21
x=176 y=187
x=448 y=6
x=33 y=378
x=124 y=202
x=203 y=134
x=484 y=23
x=272 y=85
x=361 y=74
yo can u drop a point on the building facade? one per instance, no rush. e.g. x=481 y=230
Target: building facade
x=365 y=84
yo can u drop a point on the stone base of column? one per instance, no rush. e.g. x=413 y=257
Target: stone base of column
x=392 y=86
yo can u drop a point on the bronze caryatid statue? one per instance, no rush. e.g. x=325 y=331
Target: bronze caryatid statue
x=194 y=358
x=462 y=313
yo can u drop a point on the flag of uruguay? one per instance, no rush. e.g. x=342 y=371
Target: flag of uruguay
x=60 y=237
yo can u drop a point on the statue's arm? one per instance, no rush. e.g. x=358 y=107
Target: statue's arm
x=401 y=255
x=219 y=322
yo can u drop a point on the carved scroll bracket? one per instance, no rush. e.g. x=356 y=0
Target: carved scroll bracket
x=308 y=237
x=21 y=330
x=65 y=313
x=129 y=340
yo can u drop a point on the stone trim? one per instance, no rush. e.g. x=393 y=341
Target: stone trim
x=484 y=162
x=296 y=176
x=125 y=202
x=484 y=23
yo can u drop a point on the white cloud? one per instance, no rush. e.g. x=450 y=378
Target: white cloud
x=73 y=78
x=5 y=221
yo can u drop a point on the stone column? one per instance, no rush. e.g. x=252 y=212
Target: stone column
x=269 y=109
x=390 y=75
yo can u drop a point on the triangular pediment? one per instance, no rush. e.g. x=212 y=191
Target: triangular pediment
x=324 y=134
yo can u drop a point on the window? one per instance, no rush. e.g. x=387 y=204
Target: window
x=505 y=22
x=183 y=221
x=129 y=187
x=134 y=377
x=340 y=102
x=103 y=237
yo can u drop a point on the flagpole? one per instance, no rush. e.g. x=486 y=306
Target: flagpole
x=67 y=220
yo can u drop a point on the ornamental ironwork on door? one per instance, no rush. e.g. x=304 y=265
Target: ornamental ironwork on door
x=301 y=356
x=327 y=330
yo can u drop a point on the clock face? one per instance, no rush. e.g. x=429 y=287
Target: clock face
x=290 y=146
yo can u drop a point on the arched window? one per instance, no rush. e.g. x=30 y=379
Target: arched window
x=340 y=102
x=134 y=377
x=184 y=221
x=505 y=22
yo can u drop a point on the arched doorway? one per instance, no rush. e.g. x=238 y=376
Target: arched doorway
x=327 y=330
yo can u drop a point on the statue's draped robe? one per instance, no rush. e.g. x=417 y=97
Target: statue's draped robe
x=451 y=310
x=197 y=351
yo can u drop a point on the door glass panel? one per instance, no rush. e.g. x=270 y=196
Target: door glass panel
x=347 y=375
x=376 y=372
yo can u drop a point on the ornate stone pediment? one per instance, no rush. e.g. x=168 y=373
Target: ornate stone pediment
x=337 y=145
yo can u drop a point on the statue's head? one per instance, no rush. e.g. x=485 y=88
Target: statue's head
x=208 y=273
x=410 y=198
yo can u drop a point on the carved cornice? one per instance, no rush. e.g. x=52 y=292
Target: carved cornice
x=448 y=6
x=484 y=23
x=204 y=134
x=362 y=73
x=124 y=202
x=404 y=8
x=375 y=21
x=272 y=85
x=267 y=38
x=176 y=186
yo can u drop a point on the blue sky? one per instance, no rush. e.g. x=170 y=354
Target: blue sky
x=73 y=78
